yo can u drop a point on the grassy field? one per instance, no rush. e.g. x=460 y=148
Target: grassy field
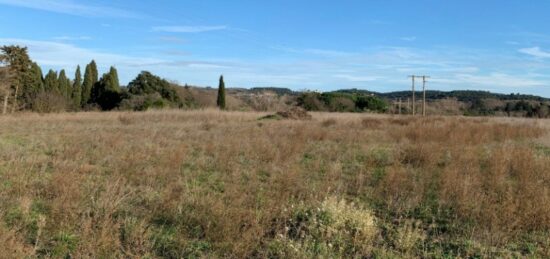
x=173 y=184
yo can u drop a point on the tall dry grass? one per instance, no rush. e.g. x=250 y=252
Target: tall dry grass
x=174 y=184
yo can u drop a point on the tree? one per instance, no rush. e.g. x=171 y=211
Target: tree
x=64 y=84
x=90 y=79
x=51 y=83
x=5 y=86
x=221 y=94
x=35 y=84
x=106 y=92
x=114 y=84
x=20 y=65
x=76 y=94
x=148 y=84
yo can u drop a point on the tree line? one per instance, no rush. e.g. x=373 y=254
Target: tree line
x=24 y=87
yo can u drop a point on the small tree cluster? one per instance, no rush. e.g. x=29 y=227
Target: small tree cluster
x=341 y=102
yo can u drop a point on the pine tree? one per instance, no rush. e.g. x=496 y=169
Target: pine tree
x=76 y=94
x=90 y=79
x=221 y=94
x=51 y=83
x=20 y=66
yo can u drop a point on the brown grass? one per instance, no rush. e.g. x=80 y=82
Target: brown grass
x=221 y=184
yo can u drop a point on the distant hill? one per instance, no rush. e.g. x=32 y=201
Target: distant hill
x=460 y=95
x=460 y=102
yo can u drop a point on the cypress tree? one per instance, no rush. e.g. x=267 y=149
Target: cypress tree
x=51 y=84
x=37 y=82
x=34 y=86
x=221 y=94
x=76 y=94
x=106 y=92
x=114 y=84
x=90 y=79
x=64 y=84
x=95 y=74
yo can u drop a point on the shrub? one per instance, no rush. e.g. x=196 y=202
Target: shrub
x=144 y=102
x=47 y=102
x=335 y=229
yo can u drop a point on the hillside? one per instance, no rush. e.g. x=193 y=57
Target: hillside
x=464 y=102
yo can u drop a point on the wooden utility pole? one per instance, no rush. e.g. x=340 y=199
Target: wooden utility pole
x=424 y=80
x=413 y=96
x=399 y=106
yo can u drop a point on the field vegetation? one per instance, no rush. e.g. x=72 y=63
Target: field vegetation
x=211 y=184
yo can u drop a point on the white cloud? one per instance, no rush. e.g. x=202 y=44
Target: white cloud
x=327 y=53
x=535 y=52
x=314 y=51
x=189 y=29
x=59 y=54
x=72 y=38
x=500 y=80
x=172 y=39
x=353 y=78
x=72 y=8
x=410 y=38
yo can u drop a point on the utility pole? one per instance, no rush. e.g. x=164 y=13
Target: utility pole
x=399 y=106
x=413 y=96
x=424 y=81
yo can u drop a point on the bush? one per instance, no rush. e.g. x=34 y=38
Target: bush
x=311 y=101
x=335 y=229
x=144 y=102
x=341 y=102
x=47 y=102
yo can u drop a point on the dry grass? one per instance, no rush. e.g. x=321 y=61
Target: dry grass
x=223 y=184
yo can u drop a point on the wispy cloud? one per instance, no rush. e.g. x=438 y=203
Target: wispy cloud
x=72 y=38
x=189 y=29
x=172 y=39
x=498 y=80
x=72 y=8
x=409 y=38
x=61 y=54
x=535 y=52
x=314 y=51
x=354 y=78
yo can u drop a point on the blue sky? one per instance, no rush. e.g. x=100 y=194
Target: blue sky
x=501 y=46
